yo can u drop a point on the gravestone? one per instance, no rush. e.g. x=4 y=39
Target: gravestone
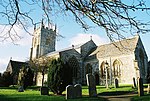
x=140 y=87
x=116 y=83
x=91 y=85
x=78 y=90
x=70 y=92
x=44 y=91
x=20 y=89
x=134 y=83
x=148 y=89
x=73 y=91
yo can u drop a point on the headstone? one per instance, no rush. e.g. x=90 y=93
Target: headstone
x=116 y=84
x=78 y=90
x=73 y=91
x=44 y=91
x=140 y=87
x=70 y=92
x=148 y=89
x=91 y=85
x=20 y=89
x=134 y=83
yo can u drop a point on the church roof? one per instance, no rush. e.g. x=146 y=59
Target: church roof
x=69 y=48
x=14 y=66
x=65 y=49
x=124 y=46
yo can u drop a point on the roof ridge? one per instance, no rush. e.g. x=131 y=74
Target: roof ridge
x=136 y=36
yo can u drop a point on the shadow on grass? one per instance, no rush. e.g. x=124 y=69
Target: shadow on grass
x=146 y=97
x=8 y=88
x=48 y=98
x=32 y=98
x=115 y=93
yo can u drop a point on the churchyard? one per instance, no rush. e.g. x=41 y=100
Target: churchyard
x=33 y=94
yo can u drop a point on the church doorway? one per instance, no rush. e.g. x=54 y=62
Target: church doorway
x=97 y=79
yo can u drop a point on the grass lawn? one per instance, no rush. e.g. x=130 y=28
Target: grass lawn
x=33 y=94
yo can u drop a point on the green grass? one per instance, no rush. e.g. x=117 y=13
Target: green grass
x=33 y=94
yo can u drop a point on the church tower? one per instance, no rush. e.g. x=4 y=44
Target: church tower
x=43 y=41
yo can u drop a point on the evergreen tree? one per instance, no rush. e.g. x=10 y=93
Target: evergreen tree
x=59 y=76
x=6 y=79
x=25 y=77
x=28 y=81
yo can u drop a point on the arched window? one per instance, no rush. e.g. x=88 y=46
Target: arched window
x=116 y=68
x=88 y=68
x=73 y=62
x=102 y=68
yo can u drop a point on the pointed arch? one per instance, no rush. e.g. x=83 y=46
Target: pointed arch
x=73 y=62
x=102 y=70
x=117 y=68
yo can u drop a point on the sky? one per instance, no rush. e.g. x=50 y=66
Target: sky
x=72 y=34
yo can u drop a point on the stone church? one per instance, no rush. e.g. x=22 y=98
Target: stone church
x=125 y=59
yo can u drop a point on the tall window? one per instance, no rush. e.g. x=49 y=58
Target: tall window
x=116 y=68
x=73 y=62
x=103 y=71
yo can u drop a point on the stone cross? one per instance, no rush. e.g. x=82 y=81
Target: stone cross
x=116 y=84
x=134 y=83
x=73 y=91
x=91 y=85
x=140 y=87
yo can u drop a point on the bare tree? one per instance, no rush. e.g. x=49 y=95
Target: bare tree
x=40 y=65
x=115 y=16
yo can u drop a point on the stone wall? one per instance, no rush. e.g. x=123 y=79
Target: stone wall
x=126 y=68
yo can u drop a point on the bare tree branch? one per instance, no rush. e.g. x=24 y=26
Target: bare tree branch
x=115 y=16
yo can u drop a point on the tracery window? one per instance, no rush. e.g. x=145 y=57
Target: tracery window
x=116 y=68
x=73 y=62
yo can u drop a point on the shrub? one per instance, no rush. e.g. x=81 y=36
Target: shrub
x=59 y=76
x=7 y=79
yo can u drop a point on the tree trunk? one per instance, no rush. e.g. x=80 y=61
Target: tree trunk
x=42 y=79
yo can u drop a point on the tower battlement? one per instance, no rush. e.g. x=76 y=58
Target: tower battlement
x=43 y=41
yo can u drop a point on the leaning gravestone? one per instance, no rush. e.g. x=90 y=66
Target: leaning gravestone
x=20 y=89
x=91 y=85
x=134 y=83
x=116 y=84
x=140 y=87
x=78 y=90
